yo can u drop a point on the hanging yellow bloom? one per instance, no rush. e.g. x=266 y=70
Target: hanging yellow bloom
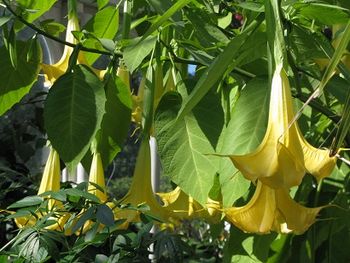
x=283 y=156
x=140 y=191
x=272 y=210
x=50 y=182
x=97 y=177
x=181 y=206
x=53 y=72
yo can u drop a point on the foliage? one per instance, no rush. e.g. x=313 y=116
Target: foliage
x=241 y=148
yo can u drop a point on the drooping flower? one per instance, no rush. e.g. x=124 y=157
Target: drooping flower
x=284 y=156
x=140 y=191
x=272 y=210
x=50 y=182
x=97 y=177
x=54 y=71
x=181 y=206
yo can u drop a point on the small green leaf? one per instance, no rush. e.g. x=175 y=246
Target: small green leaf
x=79 y=193
x=51 y=27
x=103 y=25
x=4 y=20
x=27 y=201
x=87 y=215
x=12 y=48
x=134 y=53
x=105 y=215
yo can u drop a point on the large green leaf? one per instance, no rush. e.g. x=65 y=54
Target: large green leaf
x=16 y=82
x=134 y=54
x=73 y=112
x=104 y=24
x=185 y=145
x=116 y=120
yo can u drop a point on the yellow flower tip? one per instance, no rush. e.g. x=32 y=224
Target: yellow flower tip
x=124 y=75
x=97 y=177
x=272 y=210
x=257 y=215
x=213 y=207
x=283 y=157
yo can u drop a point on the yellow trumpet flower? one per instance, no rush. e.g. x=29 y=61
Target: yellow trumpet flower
x=97 y=177
x=181 y=206
x=283 y=156
x=272 y=210
x=53 y=72
x=140 y=191
x=49 y=182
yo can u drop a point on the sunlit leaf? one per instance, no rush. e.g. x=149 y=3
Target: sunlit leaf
x=16 y=82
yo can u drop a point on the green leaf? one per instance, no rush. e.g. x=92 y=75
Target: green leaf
x=73 y=113
x=39 y=7
x=323 y=13
x=12 y=47
x=51 y=27
x=87 y=215
x=102 y=3
x=185 y=146
x=104 y=24
x=16 y=82
x=105 y=215
x=245 y=247
x=4 y=20
x=253 y=6
x=116 y=120
x=204 y=28
x=27 y=201
x=248 y=123
x=74 y=192
x=134 y=54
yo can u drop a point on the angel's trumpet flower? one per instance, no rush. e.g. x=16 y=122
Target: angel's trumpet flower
x=283 y=156
x=181 y=206
x=50 y=182
x=140 y=191
x=53 y=72
x=97 y=177
x=272 y=210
